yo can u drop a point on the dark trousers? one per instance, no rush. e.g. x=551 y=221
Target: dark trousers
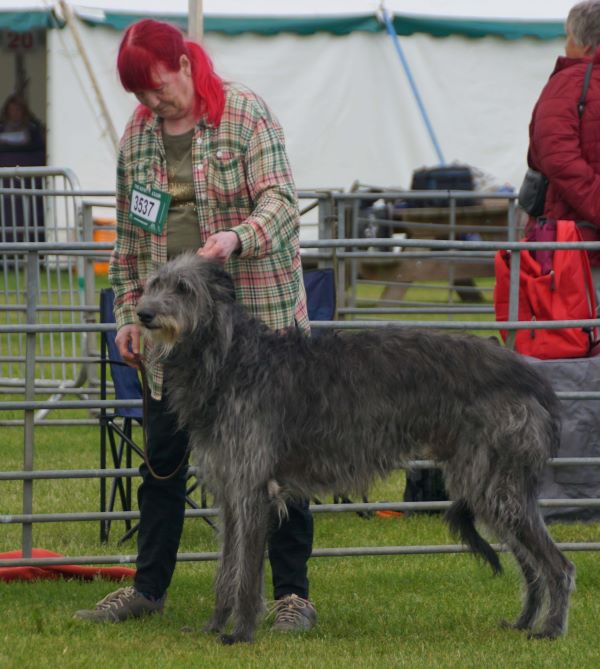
x=162 y=506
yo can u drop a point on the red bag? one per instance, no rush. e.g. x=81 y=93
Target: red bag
x=56 y=571
x=553 y=285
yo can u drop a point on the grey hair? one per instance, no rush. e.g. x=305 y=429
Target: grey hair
x=267 y=418
x=584 y=23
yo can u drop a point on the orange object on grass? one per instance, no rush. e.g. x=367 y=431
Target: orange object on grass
x=389 y=513
x=58 y=571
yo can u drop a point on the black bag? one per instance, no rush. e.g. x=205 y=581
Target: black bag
x=532 y=194
x=447 y=177
x=425 y=485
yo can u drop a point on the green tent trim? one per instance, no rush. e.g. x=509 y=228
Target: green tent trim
x=510 y=30
x=21 y=21
x=343 y=25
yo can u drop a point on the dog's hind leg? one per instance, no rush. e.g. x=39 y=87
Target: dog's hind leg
x=558 y=573
x=252 y=519
x=535 y=588
x=225 y=578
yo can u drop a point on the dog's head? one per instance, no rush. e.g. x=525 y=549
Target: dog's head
x=184 y=294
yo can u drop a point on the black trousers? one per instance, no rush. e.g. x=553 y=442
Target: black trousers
x=162 y=507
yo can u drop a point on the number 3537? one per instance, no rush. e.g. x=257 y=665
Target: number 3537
x=143 y=205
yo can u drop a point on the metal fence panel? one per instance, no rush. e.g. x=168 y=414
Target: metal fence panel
x=46 y=259
x=39 y=204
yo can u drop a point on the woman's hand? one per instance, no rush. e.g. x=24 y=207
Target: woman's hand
x=128 y=343
x=220 y=246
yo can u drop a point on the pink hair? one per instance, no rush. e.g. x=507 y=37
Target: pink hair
x=148 y=42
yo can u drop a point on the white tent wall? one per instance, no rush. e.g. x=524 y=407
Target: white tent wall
x=349 y=113
x=344 y=115
x=344 y=101
x=479 y=94
x=78 y=135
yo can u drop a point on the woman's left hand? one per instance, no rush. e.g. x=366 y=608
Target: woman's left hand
x=220 y=246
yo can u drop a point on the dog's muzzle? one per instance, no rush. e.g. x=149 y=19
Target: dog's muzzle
x=146 y=317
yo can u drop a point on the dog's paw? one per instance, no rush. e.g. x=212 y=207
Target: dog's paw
x=508 y=625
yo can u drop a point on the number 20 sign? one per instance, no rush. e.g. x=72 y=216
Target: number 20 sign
x=13 y=41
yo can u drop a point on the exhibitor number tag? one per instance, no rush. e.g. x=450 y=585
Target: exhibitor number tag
x=148 y=208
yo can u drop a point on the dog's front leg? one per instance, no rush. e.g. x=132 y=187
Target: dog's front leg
x=252 y=520
x=225 y=578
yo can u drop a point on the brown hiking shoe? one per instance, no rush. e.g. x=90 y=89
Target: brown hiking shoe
x=293 y=614
x=120 y=605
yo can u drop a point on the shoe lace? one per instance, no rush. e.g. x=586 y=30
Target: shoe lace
x=289 y=609
x=117 y=599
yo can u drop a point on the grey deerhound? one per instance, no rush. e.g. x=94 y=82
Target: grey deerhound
x=282 y=415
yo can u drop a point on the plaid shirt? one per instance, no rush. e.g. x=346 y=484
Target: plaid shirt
x=242 y=182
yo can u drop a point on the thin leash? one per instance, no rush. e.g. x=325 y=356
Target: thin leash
x=146 y=401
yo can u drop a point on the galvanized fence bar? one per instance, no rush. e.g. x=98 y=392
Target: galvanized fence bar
x=345 y=507
x=317 y=553
x=29 y=434
x=125 y=472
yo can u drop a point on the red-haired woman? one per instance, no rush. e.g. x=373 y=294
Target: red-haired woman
x=202 y=166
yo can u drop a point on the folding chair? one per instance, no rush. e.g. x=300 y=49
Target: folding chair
x=116 y=427
x=319 y=285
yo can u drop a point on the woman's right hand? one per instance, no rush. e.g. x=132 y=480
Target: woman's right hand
x=128 y=343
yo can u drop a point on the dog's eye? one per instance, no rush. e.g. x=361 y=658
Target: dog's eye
x=182 y=287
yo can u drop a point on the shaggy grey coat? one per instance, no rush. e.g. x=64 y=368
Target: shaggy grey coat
x=284 y=415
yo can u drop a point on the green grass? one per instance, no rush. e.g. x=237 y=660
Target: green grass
x=403 y=611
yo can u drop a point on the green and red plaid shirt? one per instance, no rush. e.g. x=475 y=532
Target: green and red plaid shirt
x=242 y=182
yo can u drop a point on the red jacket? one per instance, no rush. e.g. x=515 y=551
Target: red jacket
x=567 y=150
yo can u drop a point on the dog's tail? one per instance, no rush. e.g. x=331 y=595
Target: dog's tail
x=461 y=521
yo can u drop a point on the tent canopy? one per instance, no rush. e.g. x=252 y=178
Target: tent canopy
x=338 y=17
x=327 y=69
x=343 y=25
x=543 y=20
x=26 y=16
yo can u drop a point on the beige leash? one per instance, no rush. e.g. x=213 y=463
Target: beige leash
x=146 y=395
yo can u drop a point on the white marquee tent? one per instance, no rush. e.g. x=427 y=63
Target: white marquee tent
x=327 y=68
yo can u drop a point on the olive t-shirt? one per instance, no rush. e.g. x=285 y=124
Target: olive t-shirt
x=183 y=232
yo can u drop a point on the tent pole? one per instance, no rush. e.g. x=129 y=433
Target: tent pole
x=195 y=21
x=70 y=21
x=392 y=33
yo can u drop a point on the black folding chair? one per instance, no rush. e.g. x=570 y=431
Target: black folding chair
x=116 y=428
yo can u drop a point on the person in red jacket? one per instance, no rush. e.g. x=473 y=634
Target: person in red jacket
x=563 y=147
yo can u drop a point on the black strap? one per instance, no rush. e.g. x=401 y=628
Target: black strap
x=586 y=85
